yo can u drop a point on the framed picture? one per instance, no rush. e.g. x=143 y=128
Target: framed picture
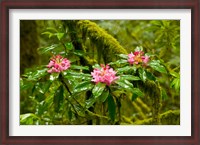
x=103 y=72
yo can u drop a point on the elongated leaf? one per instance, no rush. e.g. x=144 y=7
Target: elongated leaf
x=174 y=74
x=164 y=94
x=25 y=85
x=79 y=67
x=58 y=98
x=155 y=64
x=28 y=118
x=126 y=69
x=41 y=88
x=59 y=35
x=129 y=77
x=87 y=85
x=76 y=75
x=137 y=92
x=134 y=97
x=69 y=72
x=36 y=75
x=79 y=52
x=118 y=62
x=89 y=103
x=176 y=84
x=111 y=108
x=98 y=89
x=48 y=33
x=43 y=50
x=150 y=76
x=125 y=56
x=52 y=29
x=142 y=74
x=104 y=96
x=44 y=105
x=124 y=84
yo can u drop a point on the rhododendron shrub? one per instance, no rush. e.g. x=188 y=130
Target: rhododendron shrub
x=108 y=83
x=84 y=80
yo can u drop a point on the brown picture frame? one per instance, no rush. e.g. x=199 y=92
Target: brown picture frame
x=6 y=5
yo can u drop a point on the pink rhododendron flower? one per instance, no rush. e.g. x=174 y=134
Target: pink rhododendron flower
x=145 y=59
x=137 y=57
x=58 y=64
x=104 y=75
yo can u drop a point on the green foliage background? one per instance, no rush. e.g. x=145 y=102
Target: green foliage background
x=44 y=99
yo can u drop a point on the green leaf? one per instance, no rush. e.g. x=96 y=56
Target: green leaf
x=36 y=75
x=118 y=62
x=90 y=102
x=125 y=56
x=79 y=67
x=126 y=69
x=164 y=94
x=59 y=35
x=52 y=28
x=175 y=84
x=137 y=92
x=98 y=89
x=41 y=87
x=25 y=85
x=142 y=74
x=54 y=76
x=69 y=45
x=124 y=84
x=134 y=97
x=111 y=108
x=79 y=52
x=118 y=93
x=155 y=64
x=28 y=118
x=48 y=33
x=96 y=66
x=139 y=48
x=58 y=98
x=174 y=74
x=150 y=76
x=87 y=85
x=43 y=50
x=129 y=77
x=104 y=96
x=44 y=105
x=76 y=75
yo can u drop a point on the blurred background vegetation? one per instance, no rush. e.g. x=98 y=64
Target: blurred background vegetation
x=158 y=37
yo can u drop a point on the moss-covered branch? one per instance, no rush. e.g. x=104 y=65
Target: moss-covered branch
x=105 y=43
x=171 y=117
x=153 y=90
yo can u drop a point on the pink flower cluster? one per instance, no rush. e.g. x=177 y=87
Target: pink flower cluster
x=58 y=64
x=105 y=75
x=137 y=57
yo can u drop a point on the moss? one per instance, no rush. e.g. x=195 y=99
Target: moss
x=171 y=117
x=153 y=90
x=139 y=110
x=105 y=43
x=143 y=105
